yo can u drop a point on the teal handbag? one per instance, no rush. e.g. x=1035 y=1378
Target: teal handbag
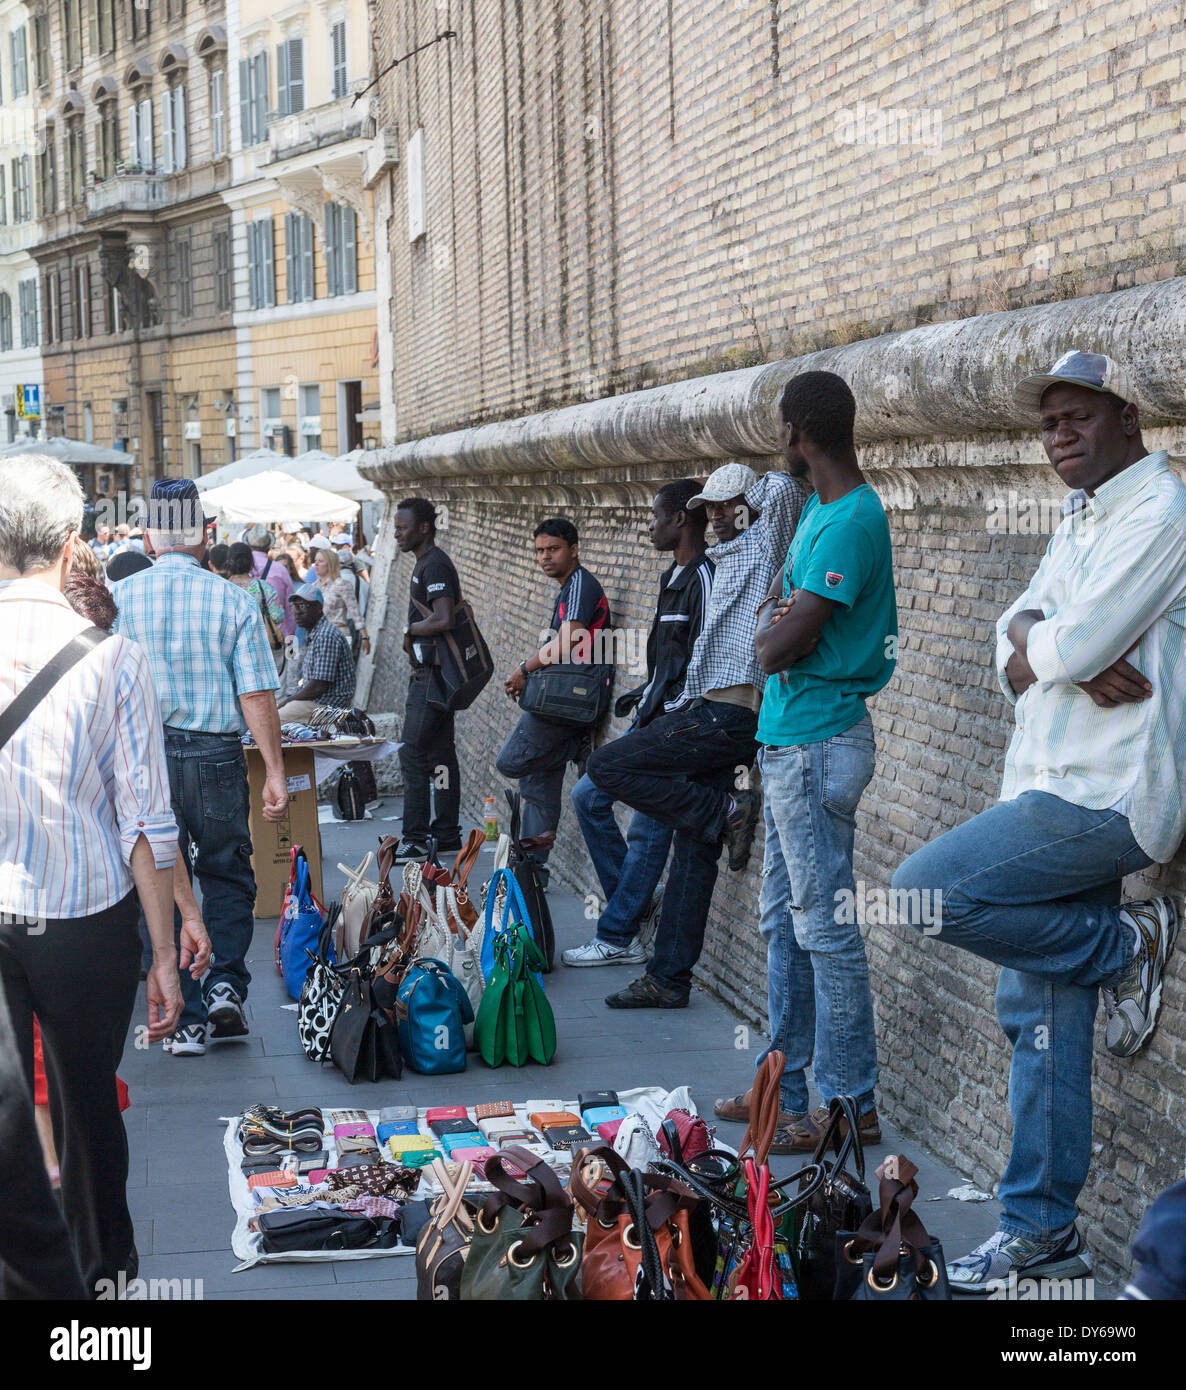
x=431 y=1012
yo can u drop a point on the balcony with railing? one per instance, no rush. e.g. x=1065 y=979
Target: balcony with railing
x=126 y=193
x=318 y=127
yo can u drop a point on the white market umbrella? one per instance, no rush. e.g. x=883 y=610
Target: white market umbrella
x=266 y=496
x=67 y=451
x=341 y=475
x=306 y=464
x=255 y=462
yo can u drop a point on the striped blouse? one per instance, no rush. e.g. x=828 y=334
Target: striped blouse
x=84 y=776
x=1114 y=575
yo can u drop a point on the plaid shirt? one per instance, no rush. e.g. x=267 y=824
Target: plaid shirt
x=327 y=658
x=205 y=640
x=745 y=569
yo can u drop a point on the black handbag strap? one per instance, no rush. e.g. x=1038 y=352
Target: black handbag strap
x=842 y=1108
x=514 y=799
x=44 y=681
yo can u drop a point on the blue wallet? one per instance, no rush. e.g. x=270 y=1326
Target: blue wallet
x=385 y=1131
x=472 y=1140
x=602 y=1115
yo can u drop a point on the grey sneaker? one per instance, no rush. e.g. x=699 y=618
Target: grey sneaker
x=648 y=924
x=598 y=952
x=187 y=1042
x=224 y=1013
x=1004 y=1259
x=1132 y=1004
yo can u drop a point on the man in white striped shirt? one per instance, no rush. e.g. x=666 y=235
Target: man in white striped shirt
x=1093 y=658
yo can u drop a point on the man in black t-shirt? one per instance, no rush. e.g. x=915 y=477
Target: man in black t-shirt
x=428 y=751
x=537 y=751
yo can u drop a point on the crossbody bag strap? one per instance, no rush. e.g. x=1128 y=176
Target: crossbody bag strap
x=44 y=681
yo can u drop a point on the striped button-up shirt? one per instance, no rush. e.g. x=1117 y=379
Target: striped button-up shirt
x=204 y=637
x=84 y=776
x=745 y=569
x=1114 y=574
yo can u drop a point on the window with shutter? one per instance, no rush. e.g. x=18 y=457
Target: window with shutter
x=338 y=57
x=5 y=322
x=145 y=155
x=307 y=258
x=332 y=251
x=269 y=269
x=180 y=151
x=296 y=76
x=166 y=132
x=20 y=62
x=92 y=24
x=3 y=199
x=259 y=91
x=218 y=113
x=349 y=251
x=246 y=105
x=282 y=78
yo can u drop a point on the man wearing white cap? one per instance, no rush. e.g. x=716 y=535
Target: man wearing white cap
x=681 y=768
x=1095 y=651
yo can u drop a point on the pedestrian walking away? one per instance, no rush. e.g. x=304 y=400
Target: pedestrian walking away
x=681 y=767
x=214 y=676
x=537 y=750
x=428 y=750
x=1093 y=658
x=629 y=868
x=826 y=638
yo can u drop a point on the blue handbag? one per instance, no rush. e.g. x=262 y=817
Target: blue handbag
x=431 y=1012
x=514 y=910
x=300 y=929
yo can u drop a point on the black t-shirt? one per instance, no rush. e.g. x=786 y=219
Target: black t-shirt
x=433 y=577
x=581 y=600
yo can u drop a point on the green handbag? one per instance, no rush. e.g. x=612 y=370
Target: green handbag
x=515 y=1023
x=524 y=1248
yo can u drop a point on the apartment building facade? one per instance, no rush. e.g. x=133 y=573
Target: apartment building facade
x=186 y=243
x=21 y=375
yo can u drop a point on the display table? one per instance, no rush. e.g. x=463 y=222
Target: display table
x=272 y=841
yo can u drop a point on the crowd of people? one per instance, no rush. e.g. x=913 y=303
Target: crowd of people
x=765 y=649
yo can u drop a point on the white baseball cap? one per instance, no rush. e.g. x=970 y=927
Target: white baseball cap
x=730 y=480
x=1092 y=370
x=321 y=543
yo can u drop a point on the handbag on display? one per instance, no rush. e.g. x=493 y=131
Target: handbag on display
x=840 y=1203
x=432 y=1010
x=527 y=873
x=363 y=1041
x=321 y=994
x=453 y=901
x=572 y=693
x=385 y=902
x=442 y=1244
x=892 y=1257
x=515 y=1023
x=299 y=928
x=684 y=1136
x=348 y=795
x=298 y=1229
x=357 y=897
x=462 y=663
x=524 y=1247
x=504 y=896
x=643 y=1233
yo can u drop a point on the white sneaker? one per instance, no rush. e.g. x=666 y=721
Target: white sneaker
x=187 y=1042
x=649 y=923
x=598 y=952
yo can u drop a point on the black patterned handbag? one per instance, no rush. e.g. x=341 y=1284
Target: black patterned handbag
x=840 y=1203
x=321 y=994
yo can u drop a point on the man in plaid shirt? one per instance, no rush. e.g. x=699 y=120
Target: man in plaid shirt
x=709 y=728
x=327 y=668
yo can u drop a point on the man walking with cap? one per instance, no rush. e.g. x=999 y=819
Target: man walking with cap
x=214 y=675
x=681 y=768
x=1095 y=650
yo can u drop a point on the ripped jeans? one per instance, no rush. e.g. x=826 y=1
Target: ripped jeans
x=820 y=1006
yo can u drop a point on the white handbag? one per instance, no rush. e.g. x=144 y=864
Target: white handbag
x=434 y=937
x=357 y=897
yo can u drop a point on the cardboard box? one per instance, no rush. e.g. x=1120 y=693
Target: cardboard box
x=272 y=841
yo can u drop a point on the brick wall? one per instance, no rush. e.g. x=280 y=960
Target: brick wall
x=618 y=192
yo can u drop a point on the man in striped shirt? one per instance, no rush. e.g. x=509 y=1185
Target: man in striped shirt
x=214 y=676
x=1093 y=658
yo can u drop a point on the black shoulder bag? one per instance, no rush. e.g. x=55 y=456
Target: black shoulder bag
x=526 y=871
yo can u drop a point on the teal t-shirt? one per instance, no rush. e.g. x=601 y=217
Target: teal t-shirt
x=842 y=552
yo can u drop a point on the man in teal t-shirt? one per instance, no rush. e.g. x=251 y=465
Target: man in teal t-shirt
x=827 y=635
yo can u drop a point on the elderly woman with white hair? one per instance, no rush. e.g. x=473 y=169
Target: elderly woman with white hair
x=87 y=827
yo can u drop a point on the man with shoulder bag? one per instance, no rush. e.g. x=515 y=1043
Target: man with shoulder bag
x=540 y=745
x=428 y=750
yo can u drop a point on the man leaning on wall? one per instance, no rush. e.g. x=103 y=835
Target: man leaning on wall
x=1093 y=658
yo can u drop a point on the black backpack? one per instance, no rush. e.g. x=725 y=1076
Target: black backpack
x=351 y=803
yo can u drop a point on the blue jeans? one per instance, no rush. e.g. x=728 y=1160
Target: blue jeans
x=1033 y=884
x=629 y=869
x=820 y=1006
x=208 y=787
x=536 y=754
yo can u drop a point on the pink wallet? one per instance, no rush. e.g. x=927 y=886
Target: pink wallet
x=475 y=1156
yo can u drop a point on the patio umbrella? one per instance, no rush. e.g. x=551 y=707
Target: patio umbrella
x=304 y=465
x=341 y=475
x=68 y=451
x=265 y=497
x=255 y=462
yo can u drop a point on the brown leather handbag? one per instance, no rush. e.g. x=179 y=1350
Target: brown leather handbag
x=638 y=1241
x=452 y=894
x=443 y=1244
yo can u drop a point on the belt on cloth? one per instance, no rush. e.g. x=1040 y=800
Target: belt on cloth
x=199 y=733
